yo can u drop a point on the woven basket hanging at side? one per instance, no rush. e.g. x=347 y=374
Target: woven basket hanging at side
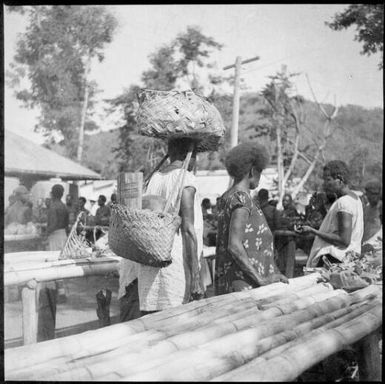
x=174 y=114
x=147 y=236
x=143 y=236
x=76 y=246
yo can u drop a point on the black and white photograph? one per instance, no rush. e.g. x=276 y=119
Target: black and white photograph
x=193 y=192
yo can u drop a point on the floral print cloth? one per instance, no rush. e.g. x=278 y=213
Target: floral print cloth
x=257 y=240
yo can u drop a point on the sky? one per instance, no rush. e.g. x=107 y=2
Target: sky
x=294 y=35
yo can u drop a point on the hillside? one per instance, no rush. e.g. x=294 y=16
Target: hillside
x=357 y=139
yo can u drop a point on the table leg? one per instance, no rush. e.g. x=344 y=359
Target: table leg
x=368 y=356
x=290 y=259
x=30 y=312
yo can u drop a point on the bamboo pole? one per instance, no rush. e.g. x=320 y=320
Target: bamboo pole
x=208 y=362
x=329 y=321
x=219 y=355
x=190 y=309
x=23 y=357
x=98 y=369
x=163 y=349
x=91 y=342
x=279 y=320
x=299 y=358
x=226 y=313
x=95 y=267
x=32 y=266
x=124 y=362
x=351 y=312
x=10 y=259
x=65 y=363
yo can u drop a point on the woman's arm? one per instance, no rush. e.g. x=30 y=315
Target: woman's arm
x=344 y=235
x=190 y=238
x=238 y=222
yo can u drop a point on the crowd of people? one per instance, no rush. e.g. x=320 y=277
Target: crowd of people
x=247 y=231
x=355 y=222
x=242 y=229
x=56 y=218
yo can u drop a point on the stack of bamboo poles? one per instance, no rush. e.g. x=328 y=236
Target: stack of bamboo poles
x=229 y=337
x=13 y=258
x=22 y=271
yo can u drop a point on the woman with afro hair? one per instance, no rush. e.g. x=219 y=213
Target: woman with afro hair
x=245 y=253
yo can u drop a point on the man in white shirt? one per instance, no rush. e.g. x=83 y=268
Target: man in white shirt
x=343 y=226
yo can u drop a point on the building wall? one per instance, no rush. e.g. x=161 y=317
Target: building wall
x=92 y=189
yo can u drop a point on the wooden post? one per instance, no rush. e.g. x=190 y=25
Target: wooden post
x=290 y=258
x=237 y=66
x=46 y=300
x=30 y=312
x=84 y=109
x=369 y=362
x=103 y=299
x=129 y=193
x=234 y=126
x=285 y=243
x=130 y=187
x=74 y=191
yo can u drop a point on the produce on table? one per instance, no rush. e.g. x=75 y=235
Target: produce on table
x=21 y=229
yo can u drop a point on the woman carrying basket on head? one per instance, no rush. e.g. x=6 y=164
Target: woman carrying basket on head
x=179 y=282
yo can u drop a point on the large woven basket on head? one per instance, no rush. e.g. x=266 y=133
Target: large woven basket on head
x=172 y=114
x=146 y=236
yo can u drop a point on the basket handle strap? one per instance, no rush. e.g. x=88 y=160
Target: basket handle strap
x=154 y=170
x=181 y=178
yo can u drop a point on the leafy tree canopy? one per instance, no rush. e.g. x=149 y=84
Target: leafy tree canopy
x=172 y=62
x=53 y=53
x=369 y=22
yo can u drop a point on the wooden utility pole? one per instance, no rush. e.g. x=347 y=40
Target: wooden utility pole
x=84 y=110
x=280 y=124
x=234 y=126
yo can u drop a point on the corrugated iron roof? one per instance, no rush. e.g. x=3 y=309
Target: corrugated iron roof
x=23 y=157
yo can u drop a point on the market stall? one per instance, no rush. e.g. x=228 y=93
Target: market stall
x=31 y=163
x=272 y=333
x=18 y=243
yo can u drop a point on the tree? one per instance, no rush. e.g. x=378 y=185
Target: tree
x=194 y=48
x=299 y=144
x=177 y=61
x=320 y=143
x=56 y=53
x=369 y=22
x=134 y=152
x=283 y=116
x=357 y=166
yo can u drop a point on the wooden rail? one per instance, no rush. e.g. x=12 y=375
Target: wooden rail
x=43 y=267
x=20 y=274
